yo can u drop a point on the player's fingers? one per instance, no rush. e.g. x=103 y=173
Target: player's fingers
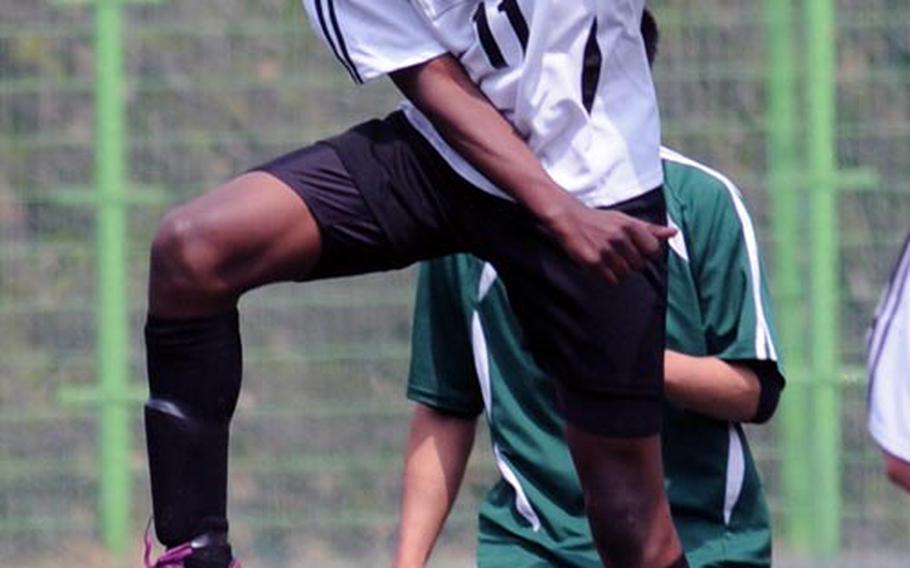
x=644 y=238
x=616 y=264
x=628 y=249
x=608 y=275
x=662 y=232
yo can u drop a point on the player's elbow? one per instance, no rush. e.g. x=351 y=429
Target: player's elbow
x=771 y=383
x=768 y=400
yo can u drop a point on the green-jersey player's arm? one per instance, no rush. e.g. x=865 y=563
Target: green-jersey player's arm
x=711 y=386
x=444 y=385
x=740 y=379
x=607 y=242
x=437 y=454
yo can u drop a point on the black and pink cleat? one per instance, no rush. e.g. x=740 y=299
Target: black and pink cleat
x=205 y=551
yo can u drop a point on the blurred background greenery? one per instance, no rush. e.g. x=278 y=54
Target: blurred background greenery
x=112 y=110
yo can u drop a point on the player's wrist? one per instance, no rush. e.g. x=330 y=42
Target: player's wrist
x=561 y=218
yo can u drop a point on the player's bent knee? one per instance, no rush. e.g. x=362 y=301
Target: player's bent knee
x=184 y=259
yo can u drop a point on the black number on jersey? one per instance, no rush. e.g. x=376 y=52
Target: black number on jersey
x=486 y=38
x=518 y=21
x=593 y=58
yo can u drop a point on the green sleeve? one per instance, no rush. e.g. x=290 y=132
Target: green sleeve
x=728 y=272
x=442 y=373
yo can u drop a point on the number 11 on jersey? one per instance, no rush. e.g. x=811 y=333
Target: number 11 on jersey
x=593 y=58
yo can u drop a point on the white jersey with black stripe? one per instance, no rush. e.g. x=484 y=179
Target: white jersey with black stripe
x=889 y=364
x=572 y=77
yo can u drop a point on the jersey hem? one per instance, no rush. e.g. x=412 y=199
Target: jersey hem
x=426 y=398
x=369 y=73
x=740 y=353
x=888 y=442
x=650 y=181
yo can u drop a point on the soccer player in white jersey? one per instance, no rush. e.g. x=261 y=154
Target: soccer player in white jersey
x=889 y=374
x=563 y=198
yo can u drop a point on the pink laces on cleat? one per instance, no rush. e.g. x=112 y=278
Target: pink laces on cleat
x=174 y=557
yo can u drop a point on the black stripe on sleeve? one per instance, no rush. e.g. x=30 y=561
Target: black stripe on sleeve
x=341 y=44
x=328 y=37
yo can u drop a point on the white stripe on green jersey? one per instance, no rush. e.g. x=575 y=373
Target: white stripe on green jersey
x=482 y=366
x=736 y=472
x=678 y=241
x=571 y=77
x=468 y=358
x=764 y=346
x=889 y=364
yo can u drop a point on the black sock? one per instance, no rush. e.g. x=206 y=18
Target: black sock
x=680 y=562
x=194 y=370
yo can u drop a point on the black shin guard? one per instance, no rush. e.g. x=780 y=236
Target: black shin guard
x=194 y=369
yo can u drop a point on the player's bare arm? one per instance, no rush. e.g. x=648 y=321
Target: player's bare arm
x=608 y=242
x=711 y=386
x=437 y=452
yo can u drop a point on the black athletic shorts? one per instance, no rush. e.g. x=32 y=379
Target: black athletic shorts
x=385 y=199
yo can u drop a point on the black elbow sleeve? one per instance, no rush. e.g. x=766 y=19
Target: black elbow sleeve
x=771 y=384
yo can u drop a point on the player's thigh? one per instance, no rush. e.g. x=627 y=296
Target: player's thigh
x=248 y=232
x=354 y=213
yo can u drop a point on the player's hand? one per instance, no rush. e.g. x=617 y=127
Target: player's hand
x=609 y=243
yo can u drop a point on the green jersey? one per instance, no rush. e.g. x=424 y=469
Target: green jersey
x=468 y=358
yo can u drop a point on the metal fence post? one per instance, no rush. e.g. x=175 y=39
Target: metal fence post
x=784 y=185
x=821 y=91
x=112 y=307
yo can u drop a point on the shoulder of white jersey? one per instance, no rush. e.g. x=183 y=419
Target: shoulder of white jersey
x=893 y=300
x=371 y=38
x=889 y=358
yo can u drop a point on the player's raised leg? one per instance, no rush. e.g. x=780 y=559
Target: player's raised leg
x=252 y=231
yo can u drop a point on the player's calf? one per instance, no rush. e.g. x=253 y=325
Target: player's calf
x=194 y=370
x=622 y=482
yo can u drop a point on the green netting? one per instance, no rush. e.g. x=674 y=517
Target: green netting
x=211 y=89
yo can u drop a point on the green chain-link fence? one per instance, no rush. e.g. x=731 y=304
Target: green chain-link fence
x=112 y=110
